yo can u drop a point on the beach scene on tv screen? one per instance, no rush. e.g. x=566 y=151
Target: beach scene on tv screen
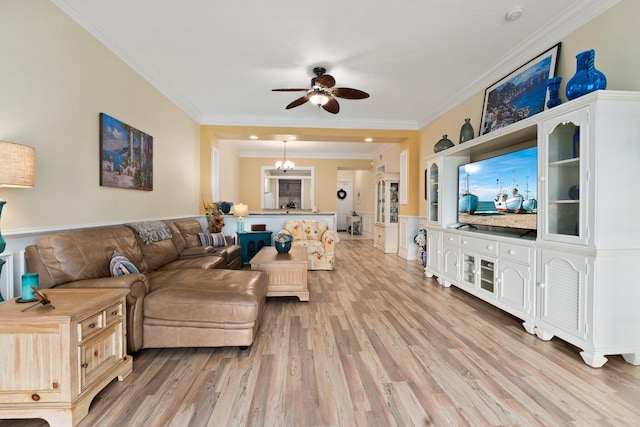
x=500 y=191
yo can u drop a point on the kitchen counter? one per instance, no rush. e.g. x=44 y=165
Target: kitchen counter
x=274 y=219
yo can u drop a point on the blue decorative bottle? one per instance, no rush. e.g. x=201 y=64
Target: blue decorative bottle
x=553 y=84
x=587 y=79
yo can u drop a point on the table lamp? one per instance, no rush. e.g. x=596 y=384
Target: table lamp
x=240 y=211
x=17 y=169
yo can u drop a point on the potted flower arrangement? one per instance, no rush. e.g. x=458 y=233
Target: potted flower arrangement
x=215 y=217
x=282 y=241
x=420 y=239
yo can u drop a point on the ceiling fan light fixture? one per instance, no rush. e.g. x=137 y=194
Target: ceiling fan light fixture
x=319 y=98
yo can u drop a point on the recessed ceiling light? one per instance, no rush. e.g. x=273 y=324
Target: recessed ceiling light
x=368 y=139
x=253 y=137
x=292 y=138
x=514 y=13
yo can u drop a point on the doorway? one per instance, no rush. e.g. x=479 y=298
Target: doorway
x=344 y=205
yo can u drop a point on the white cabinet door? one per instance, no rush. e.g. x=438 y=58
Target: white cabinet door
x=514 y=284
x=450 y=265
x=434 y=253
x=562 y=295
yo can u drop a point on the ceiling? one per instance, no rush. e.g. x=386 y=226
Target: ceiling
x=219 y=60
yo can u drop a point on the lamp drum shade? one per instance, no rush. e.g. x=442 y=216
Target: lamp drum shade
x=241 y=210
x=17 y=165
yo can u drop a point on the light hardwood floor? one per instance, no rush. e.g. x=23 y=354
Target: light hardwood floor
x=378 y=344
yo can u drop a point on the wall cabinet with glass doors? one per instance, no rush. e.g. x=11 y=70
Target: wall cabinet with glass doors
x=387 y=210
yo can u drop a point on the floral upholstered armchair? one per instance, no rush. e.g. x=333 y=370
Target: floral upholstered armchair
x=318 y=239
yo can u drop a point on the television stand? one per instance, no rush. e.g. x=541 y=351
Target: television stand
x=458 y=227
x=527 y=232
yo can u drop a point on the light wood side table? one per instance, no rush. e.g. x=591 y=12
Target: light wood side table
x=287 y=272
x=56 y=359
x=353 y=223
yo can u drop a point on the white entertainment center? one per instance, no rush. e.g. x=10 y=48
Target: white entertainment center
x=577 y=278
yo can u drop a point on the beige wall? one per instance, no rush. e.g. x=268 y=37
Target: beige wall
x=614 y=37
x=55 y=79
x=364 y=181
x=325 y=179
x=246 y=171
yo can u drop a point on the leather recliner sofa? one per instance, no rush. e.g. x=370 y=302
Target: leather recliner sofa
x=186 y=239
x=176 y=299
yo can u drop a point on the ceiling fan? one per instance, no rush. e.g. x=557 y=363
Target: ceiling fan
x=323 y=93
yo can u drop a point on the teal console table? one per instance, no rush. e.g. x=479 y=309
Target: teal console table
x=251 y=242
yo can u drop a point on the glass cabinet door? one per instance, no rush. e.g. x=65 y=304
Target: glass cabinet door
x=380 y=214
x=469 y=269
x=393 y=202
x=432 y=194
x=563 y=181
x=487 y=275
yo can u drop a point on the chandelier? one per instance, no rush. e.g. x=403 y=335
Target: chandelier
x=285 y=165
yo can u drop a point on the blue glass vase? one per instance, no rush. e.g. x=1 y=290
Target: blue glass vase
x=282 y=248
x=553 y=84
x=587 y=79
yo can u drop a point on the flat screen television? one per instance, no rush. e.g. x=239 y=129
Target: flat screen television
x=500 y=191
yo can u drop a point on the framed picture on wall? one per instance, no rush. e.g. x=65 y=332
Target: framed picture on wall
x=520 y=94
x=126 y=155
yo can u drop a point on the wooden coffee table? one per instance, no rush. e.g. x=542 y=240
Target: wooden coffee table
x=287 y=272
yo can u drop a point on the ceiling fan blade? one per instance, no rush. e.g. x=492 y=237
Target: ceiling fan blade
x=326 y=80
x=348 y=93
x=297 y=102
x=332 y=106
x=288 y=90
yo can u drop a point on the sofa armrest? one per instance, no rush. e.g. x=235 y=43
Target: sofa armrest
x=205 y=262
x=196 y=251
x=131 y=281
x=138 y=287
x=330 y=238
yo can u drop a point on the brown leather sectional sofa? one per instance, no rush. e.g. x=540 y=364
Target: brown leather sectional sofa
x=185 y=295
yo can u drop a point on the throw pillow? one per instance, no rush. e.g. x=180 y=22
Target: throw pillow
x=120 y=265
x=213 y=239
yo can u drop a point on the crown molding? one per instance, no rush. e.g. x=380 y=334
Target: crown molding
x=330 y=122
x=538 y=42
x=79 y=12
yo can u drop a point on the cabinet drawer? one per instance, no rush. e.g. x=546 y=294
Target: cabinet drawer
x=451 y=239
x=114 y=314
x=480 y=245
x=515 y=253
x=90 y=326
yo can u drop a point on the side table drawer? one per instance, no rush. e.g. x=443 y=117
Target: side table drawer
x=90 y=326
x=113 y=314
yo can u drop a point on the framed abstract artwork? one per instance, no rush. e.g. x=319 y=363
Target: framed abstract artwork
x=126 y=155
x=520 y=94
